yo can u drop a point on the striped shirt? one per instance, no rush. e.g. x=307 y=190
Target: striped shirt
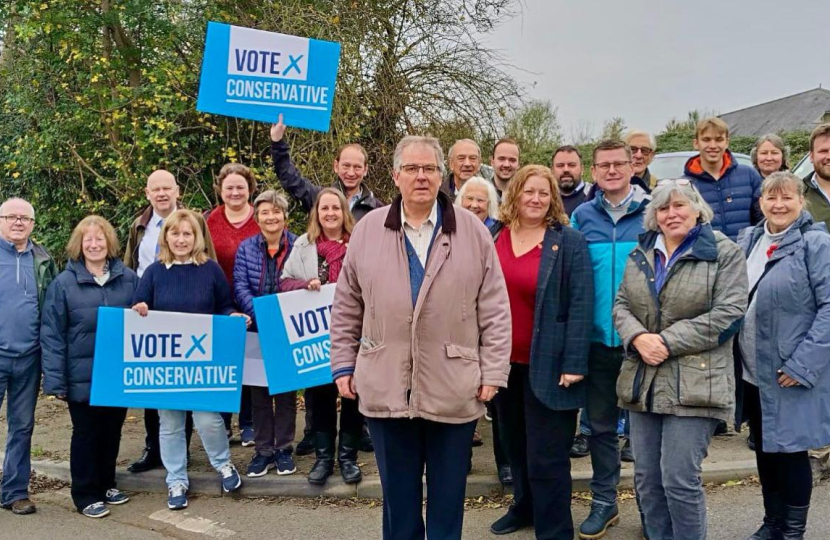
x=421 y=237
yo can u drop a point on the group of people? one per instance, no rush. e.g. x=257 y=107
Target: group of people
x=528 y=295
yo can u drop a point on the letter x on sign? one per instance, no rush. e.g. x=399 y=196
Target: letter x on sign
x=197 y=344
x=293 y=63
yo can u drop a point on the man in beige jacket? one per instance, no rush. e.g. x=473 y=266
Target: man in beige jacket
x=421 y=332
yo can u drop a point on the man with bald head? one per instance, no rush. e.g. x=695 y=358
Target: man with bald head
x=465 y=162
x=26 y=270
x=162 y=192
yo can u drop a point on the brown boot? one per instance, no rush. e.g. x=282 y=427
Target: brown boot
x=22 y=507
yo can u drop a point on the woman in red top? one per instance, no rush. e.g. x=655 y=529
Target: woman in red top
x=229 y=224
x=550 y=286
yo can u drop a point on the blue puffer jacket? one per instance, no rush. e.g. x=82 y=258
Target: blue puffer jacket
x=69 y=321
x=793 y=334
x=609 y=244
x=249 y=271
x=733 y=197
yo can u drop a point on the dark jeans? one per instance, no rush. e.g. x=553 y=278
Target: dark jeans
x=498 y=448
x=96 y=438
x=246 y=415
x=788 y=475
x=20 y=380
x=151 y=428
x=403 y=448
x=602 y=411
x=538 y=443
x=324 y=410
x=275 y=420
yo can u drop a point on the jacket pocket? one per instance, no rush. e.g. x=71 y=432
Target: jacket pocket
x=787 y=348
x=457 y=351
x=377 y=380
x=630 y=381
x=702 y=383
x=449 y=387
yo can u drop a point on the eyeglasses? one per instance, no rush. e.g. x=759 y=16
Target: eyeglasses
x=645 y=150
x=606 y=165
x=675 y=181
x=25 y=220
x=429 y=170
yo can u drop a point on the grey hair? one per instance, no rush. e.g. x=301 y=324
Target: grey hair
x=20 y=200
x=273 y=197
x=661 y=197
x=781 y=181
x=456 y=143
x=638 y=133
x=777 y=142
x=492 y=196
x=413 y=140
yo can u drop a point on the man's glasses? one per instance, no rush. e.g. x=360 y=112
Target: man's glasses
x=25 y=220
x=606 y=165
x=429 y=170
x=645 y=150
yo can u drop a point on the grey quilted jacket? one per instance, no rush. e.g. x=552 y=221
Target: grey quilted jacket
x=697 y=313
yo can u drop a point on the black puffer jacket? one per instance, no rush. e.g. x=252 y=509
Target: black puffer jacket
x=69 y=321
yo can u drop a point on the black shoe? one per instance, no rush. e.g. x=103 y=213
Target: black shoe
x=750 y=441
x=324 y=465
x=505 y=475
x=596 y=524
x=721 y=429
x=366 y=444
x=347 y=457
x=510 y=523
x=795 y=522
x=579 y=448
x=148 y=461
x=306 y=446
x=773 y=526
x=626 y=453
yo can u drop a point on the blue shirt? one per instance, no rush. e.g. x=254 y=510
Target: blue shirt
x=19 y=312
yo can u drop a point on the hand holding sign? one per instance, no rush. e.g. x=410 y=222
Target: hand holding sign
x=278 y=130
x=247 y=318
x=314 y=285
x=141 y=308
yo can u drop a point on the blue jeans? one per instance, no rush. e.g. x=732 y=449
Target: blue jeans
x=20 y=379
x=211 y=430
x=667 y=474
x=603 y=415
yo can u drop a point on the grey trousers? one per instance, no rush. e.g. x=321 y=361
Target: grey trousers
x=668 y=452
x=275 y=420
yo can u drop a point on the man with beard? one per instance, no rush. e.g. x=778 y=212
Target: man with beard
x=505 y=163
x=566 y=165
x=818 y=201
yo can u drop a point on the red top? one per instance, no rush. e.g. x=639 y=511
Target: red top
x=227 y=236
x=521 y=275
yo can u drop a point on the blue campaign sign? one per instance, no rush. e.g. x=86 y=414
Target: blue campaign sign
x=168 y=360
x=256 y=75
x=294 y=336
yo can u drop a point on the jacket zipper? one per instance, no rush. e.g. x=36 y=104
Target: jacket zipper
x=613 y=273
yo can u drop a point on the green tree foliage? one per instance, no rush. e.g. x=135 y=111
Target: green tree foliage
x=95 y=94
x=536 y=128
x=614 y=128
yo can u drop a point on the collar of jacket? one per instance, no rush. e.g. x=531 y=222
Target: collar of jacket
x=148 y=213
x=705 y=247
x=393 y=217
x=694 y=169
x=286 y=240
x=803 y=223
x=82 y=275
x=638 y=202
x=363 y=192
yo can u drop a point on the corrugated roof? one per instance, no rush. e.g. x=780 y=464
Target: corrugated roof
x=802 y=111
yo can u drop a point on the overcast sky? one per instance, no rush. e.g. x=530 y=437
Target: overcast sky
x=648 y=61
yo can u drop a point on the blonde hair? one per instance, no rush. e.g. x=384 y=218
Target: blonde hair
x=509 y=212
x=714 y=123
x=74 y=248
x=315 y=231
x=173 y=221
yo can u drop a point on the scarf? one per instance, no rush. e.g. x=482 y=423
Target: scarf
x=331 y=254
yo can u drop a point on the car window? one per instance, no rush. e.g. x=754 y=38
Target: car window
x=668 y=166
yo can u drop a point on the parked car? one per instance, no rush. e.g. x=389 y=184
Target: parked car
x=671 y=164
x=803 y=167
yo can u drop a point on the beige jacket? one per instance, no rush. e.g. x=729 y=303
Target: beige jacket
x=427 y=361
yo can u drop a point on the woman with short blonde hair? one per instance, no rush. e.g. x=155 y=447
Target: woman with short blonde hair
x=94 y=277
x=174 y=221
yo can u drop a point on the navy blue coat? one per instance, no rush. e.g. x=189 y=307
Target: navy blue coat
x=733 y=197
x=793 y=335
x=563 y=317
x=69 y=321
x=249 y=271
